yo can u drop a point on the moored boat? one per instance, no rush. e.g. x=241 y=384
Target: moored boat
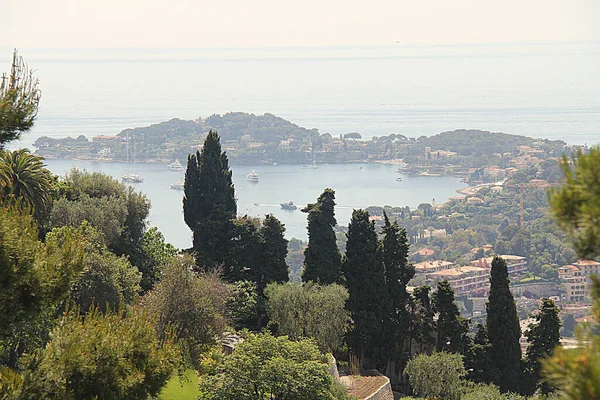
x=289 y=206
x=175 y=166
x=252 y=177
x=132 y=178
x=177 y=185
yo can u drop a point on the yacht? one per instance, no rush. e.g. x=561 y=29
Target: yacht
x=177 y=185
x=175 y=166
x=132 y=178
x=252 y=176
x=289 y=206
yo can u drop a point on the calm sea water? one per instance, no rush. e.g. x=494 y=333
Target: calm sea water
x=371 y=185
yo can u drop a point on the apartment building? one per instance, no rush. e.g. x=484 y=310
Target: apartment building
x=576 y=279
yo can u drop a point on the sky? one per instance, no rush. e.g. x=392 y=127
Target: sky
x=280 y=23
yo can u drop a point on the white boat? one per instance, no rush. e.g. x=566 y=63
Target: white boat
x=289 y=206
x=175 y=166
x=252 y=176
x=132 y=178
x=399 y=179
x=177 y=185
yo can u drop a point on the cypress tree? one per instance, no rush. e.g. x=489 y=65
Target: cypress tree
x=503 y=328
x=398 y=271
x=365 y=281
x=422 y=325
x=477 y=360
x=274 y=248
x=543 y=336
x=209 y=202
x=322 y=259
x=452 y=329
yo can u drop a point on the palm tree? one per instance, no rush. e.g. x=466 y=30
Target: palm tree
x=24 y=179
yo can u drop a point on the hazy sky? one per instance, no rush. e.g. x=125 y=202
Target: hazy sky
x=267 y=23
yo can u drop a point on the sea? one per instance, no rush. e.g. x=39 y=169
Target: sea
x=542 y=90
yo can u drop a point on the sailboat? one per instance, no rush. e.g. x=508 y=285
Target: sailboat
x=131 y=177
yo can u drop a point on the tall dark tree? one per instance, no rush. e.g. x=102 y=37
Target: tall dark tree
x=274 y=249
x=503 y=328
x=243 y=254
x=365 y=281
x=398 y=271
x=422 y=324
x=209 y=202
x=322 y=259
x=452 y=329
x=477 y=359
x=543 y=336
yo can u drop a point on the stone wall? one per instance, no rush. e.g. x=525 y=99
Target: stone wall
x=383 y=393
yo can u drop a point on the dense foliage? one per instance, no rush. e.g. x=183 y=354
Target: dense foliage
x=576 y=204
x=266 y=367
x=107 y=356
x=35 y=278
x=309 y=311
x=437 y=375
x=193 y=304
x=576 y=371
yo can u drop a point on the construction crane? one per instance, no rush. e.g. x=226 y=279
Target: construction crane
x=522 y=187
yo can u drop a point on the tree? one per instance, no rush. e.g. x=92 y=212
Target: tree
x=266 y=367
x=503 y=328
x=543 y=337
x=575 y=371
x=115 y=209
x=309 y=311
x=209 y=202
x=106 y=356
x=452 y=329
x=365 y=280
x=193 y=304
x=422 y=324
x=436 y=376
x=479 y=365
x=107 y=281
x=34 y=279
x=398 y=272
x=154 y=254
x=576 y=204
x=23 y=178
x=19 y=100
x=322 y=259
x=272 y=266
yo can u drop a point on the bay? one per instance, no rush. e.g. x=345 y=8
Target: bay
x=356 y=186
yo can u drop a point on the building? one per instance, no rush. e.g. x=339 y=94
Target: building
x=428 y=267
x=464 y=279
x=516 y=265
x=576 y=279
